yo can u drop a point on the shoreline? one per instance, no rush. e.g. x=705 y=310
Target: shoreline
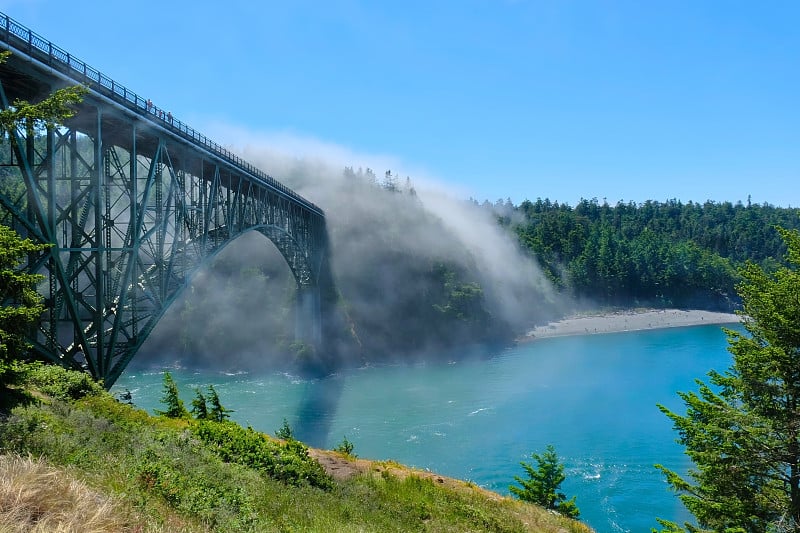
x=629 y=320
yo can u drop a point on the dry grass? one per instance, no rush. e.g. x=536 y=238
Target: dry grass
x=36 y=497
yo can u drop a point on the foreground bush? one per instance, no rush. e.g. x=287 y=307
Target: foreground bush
x=288 y=462
x=60 y=383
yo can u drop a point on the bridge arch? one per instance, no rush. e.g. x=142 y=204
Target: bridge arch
x=133 y=202
x=231 y=317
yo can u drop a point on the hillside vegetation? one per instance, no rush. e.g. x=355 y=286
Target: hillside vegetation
x=73 y=458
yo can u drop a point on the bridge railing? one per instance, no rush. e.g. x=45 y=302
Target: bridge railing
x=22 y=38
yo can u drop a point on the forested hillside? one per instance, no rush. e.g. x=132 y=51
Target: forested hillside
x=663 y=254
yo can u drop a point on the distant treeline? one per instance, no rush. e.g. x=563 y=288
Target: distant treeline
x=670 y=253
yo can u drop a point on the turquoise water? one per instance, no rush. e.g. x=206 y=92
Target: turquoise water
x=593 y=397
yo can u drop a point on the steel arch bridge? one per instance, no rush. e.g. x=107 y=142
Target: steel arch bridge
x=133 y=202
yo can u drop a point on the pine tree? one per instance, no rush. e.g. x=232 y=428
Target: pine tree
x=56 y=108
x=543 y=484
x=743 y=431
x=285 y=431
x=199 y=407
x=171 y=399
x=21 y=305
x=218 y=413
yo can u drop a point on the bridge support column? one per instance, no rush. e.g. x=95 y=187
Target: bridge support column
x=308 y=316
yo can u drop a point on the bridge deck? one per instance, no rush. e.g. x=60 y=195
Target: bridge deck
x=36 y=56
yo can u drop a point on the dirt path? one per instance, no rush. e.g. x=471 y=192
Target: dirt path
x=342 y=468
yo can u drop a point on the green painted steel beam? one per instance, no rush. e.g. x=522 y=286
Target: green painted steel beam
x=133 y=209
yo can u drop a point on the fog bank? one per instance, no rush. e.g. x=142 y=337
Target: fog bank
x=421 y=271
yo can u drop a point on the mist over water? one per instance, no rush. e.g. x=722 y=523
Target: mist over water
x=420 y=273
x=240 y=306
x=418 y=220
x=593 y=397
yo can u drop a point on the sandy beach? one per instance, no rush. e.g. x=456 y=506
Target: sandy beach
x=633 y=320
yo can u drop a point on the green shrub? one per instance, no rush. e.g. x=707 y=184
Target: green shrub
x=210 y=499
x=346 y=447
x=60 y=383
x=125 y=415
x=288 y=462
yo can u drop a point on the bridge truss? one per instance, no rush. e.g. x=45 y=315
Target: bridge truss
x=133 y=203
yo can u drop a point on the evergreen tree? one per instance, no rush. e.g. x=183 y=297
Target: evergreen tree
x=543 y=484
x=743 y=431
x=56 y=108
x=171 y=399
x=218 y=413
x=21 y=305
x=199 y=407
x=285 y=431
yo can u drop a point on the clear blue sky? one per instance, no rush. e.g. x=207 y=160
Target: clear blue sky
x=623 y=100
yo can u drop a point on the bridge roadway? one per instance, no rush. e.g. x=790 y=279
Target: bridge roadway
x=133 y=202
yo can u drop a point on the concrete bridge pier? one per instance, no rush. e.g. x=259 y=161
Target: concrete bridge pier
x=308 y=317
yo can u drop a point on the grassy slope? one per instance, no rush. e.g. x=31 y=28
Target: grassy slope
x=154 y=474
